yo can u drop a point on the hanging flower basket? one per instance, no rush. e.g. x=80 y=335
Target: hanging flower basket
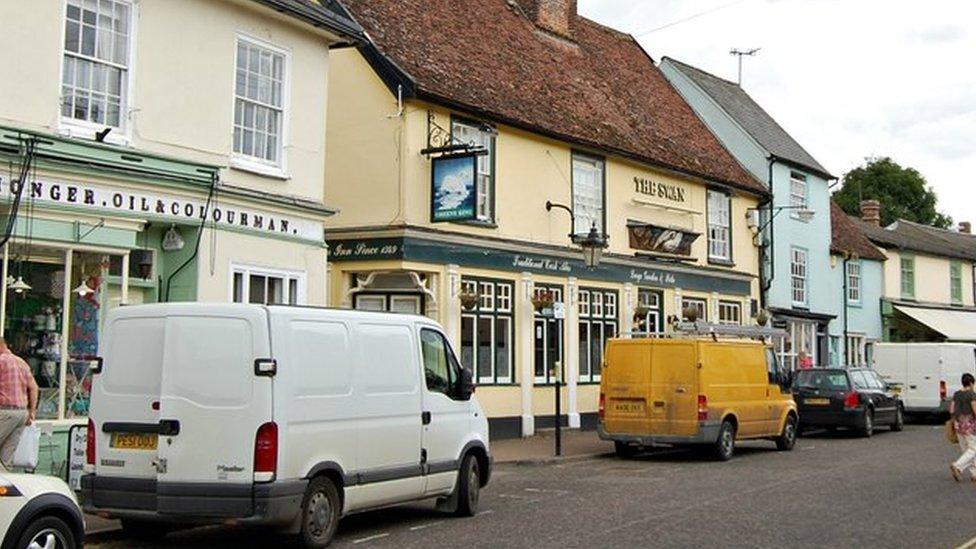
x=640 y=311
x=542 y=301
x=469 y=300
x=762 y=317
x=690 y=314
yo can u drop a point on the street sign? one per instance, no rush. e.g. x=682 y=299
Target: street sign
x=559 y=310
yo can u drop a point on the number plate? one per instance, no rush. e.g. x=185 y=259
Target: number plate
x=629 y=406
x=134 y=441
x=817 y=401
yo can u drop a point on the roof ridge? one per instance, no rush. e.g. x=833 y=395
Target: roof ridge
x=934 y=228
x=706 y=73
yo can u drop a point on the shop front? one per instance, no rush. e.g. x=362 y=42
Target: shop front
x=522 y=316
x=96 y=227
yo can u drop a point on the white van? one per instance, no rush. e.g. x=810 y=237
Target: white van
x=929 y=373
x=287 y=416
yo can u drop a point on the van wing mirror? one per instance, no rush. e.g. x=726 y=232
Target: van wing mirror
x=466 y=384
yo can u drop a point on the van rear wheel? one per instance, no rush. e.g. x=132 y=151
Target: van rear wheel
x=725 y=445
x=625 y=450
x=320 y=513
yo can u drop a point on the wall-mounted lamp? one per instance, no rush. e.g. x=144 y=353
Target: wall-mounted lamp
x=593 y=243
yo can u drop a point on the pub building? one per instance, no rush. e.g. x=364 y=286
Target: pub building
x=535 y=185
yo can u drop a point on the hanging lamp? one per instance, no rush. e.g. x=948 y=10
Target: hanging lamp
x=83 y=289
x=19 y=286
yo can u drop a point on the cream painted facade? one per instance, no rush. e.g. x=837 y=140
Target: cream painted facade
x=160 y=207
x=385 y=251
x=932 y=278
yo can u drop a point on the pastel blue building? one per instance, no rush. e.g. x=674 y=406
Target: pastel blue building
x=857 y=270
x=799 y=275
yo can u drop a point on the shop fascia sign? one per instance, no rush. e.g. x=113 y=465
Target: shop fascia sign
x=103 y=199
x=646 y=276
x=656 y=189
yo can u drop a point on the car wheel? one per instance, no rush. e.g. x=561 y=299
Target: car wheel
x=469 y=488
x=899 y=423
x=320 y=513
x=48 y=533
x=787 y=439
x=624 y=449
x=725 y=445
x=867 y=423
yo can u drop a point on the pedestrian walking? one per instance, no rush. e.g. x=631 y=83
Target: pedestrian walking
x=963 y=412
x=18 y=402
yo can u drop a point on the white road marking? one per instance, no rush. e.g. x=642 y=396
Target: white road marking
x=968 y=545
x=370 y=538
x=428 y=525
x=807 y=447
x=542 y=491
x=485 y=512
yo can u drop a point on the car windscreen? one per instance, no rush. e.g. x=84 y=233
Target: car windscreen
x=828 y=380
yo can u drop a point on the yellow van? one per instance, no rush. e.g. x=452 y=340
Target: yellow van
x=694 y=391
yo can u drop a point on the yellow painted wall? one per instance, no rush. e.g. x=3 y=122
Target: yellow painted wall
x=932 y=278
x=183 y=74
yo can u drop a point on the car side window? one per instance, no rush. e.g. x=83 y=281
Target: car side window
x=877 y=382
x=860 y=381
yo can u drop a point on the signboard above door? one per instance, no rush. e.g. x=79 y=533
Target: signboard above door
x=453 y=193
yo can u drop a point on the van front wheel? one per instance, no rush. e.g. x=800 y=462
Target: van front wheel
x=320 y=513
x=787 y=439
x=469 y=488
x=725 y=445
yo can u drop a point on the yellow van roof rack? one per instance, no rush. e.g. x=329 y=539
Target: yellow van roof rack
x=699 y=329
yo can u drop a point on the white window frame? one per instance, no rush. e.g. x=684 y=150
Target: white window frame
x=855 y=346
x=902 y=262
x=699 y=303
x=799 y=194
x=498 y=306
x=719 y=226
x=583 y=220
x=799 y=271
x=285 y=274
x=730 y=313
x=260 y=166
x=84 y=129
x=485 y=166
x=853 y=281
x=955 y=283
x=606 y=318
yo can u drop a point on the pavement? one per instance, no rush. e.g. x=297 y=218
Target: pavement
x=540 y=449
x=889 y=491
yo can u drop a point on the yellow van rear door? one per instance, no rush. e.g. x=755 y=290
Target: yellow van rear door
x=674 y=388
x=625 y=384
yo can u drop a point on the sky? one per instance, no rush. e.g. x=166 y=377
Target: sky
x=848 y=79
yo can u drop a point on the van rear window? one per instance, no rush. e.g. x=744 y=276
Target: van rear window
x=836 y=381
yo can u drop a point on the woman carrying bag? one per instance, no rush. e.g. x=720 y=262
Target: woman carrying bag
x=962 y=410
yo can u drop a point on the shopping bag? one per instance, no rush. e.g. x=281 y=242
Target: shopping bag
x=25 y=455
x=950 y=431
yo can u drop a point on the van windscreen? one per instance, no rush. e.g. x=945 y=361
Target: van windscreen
x=830 y=380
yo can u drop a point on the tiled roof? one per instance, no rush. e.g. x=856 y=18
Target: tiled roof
x=599 y=89
x=751 y=117
x=916 y=237
x=846 y=236
x=326 y=14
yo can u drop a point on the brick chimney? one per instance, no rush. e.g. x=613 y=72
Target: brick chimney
x=555 y=16
x=871 y=212
x=965 y=227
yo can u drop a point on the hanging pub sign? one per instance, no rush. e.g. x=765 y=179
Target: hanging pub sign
x=453 y=193
x=665 y=240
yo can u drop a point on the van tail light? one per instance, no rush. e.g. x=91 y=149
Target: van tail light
x=266 y=452
x=943 y=390
x=90 y=443
x=852 y=399
x=602 y=410
x=702 y=408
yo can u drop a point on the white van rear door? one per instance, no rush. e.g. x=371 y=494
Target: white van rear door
x=212 y=400
x=125 y=396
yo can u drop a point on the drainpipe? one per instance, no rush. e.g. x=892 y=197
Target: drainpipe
x=844 y=301
x=765 y=285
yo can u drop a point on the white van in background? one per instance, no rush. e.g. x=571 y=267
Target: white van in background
x=286 y=416
x=929 y=373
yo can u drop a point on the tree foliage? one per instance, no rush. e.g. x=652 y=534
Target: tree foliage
x=902 y=192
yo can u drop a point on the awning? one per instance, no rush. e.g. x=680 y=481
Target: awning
x=954 y=325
